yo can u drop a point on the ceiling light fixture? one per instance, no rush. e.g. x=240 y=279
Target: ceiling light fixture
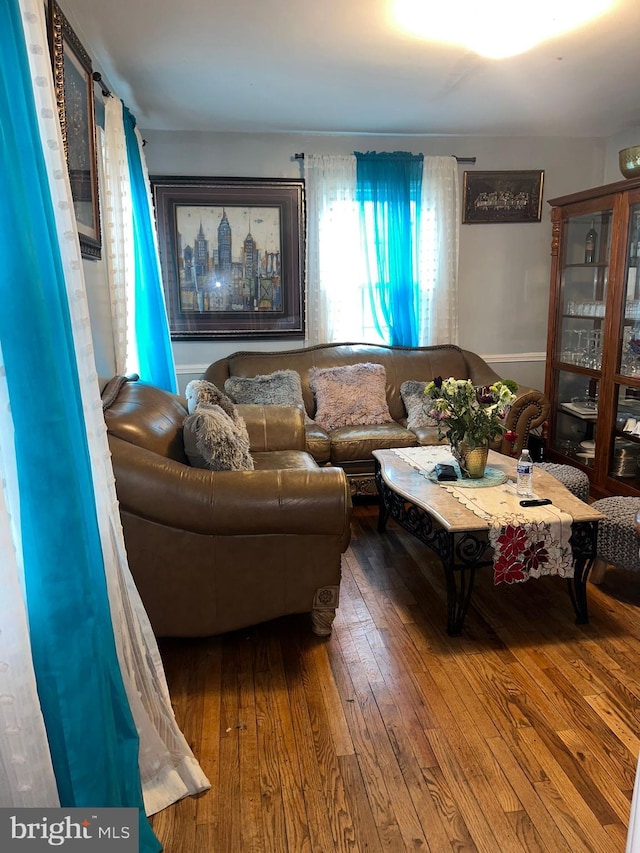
x=496 y=28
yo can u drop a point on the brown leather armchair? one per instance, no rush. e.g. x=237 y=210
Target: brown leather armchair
x=213 y=551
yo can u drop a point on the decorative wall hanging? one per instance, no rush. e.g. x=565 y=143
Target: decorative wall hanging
x=73 y=80
x=502 y=196
x=232 y=255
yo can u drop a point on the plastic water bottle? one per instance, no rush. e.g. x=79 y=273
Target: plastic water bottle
x=524 y=482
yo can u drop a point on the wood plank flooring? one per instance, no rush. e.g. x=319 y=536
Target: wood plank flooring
x=521 y=735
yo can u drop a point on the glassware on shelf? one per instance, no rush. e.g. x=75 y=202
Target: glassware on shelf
x=569 y=352
x=580 y=354
x=582 y=347
x=586 y=405
x=593 y=350
x=593 y=308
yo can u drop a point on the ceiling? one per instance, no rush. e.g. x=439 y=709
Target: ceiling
x=339 y=66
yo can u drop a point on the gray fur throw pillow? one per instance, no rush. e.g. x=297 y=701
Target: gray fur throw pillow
x=280 y=388
x=214 y=439
x=354 y=394
x=412 y=393
x=202 y=391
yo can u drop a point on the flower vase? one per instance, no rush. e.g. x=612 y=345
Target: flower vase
x=472 y=462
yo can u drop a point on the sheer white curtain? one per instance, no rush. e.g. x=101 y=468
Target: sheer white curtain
x=168 y=768
x=439 y=247
x=334 y=262
x=118 y=229
x=117 y=226
x=337 y=304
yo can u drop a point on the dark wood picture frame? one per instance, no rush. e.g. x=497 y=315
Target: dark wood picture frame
x=232 y=253
x=502 y=196
x=73 y=81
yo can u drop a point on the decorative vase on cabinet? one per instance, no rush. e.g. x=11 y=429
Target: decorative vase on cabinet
x=593 y=348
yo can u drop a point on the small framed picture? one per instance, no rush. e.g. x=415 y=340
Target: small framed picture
x=73 y=80
x=232 y=255
x=502 y=196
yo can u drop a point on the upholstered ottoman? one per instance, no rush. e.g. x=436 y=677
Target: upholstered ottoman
x=573 y=478
x=618 y=540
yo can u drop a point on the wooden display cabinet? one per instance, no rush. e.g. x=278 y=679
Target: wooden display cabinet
x=593 y=346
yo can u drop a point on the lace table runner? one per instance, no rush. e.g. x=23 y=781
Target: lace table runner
x=527 y=543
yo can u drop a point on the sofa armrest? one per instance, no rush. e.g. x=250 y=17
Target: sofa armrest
x=230 y=503
x=479 y=372
x=274 y=427
x=530 y=409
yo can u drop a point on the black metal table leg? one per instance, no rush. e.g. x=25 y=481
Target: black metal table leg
x=458 y=597
x=383 y=515
x=584 y=538
x=460 y=554
x=578 y=589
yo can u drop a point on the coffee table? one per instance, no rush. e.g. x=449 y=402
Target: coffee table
x=460 y=538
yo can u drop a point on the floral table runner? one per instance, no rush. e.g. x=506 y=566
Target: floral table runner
x=527 y=543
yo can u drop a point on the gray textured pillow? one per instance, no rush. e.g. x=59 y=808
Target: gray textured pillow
x=213 y=439
x=354 y=394
x=202 y=391
x=412 y=393
x=280 y=388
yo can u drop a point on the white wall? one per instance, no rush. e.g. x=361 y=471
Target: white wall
x=504 y=268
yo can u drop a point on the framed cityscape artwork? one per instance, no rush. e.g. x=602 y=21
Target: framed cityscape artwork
x=232 y=255
x=73 y=80
x=502 y=196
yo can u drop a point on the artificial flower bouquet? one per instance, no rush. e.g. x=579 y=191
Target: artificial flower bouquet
x=470 y=415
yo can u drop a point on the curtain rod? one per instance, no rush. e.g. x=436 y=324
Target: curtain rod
x=97 y=76
x=459 y=159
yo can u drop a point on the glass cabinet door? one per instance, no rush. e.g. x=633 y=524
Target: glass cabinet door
x=623 y=465
x=583 y=274
x=583 y=289
x=629 y=354
x=625 y=450
x=575 y=417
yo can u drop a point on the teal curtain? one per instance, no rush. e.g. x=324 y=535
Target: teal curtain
x=155 y=357
x=388 y=192
x=91 y=733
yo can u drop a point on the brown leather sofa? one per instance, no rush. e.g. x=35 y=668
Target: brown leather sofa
x=213 y=551
x=351 y=447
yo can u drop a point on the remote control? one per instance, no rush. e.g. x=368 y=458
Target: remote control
x=536 y=502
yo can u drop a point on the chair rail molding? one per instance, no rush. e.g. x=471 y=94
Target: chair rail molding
x=510 y=357
x=501 y=358
x=191 y=368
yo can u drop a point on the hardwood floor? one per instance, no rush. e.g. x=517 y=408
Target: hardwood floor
x=521 y=735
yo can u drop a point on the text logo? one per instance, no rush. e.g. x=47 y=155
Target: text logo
x=101 y=829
